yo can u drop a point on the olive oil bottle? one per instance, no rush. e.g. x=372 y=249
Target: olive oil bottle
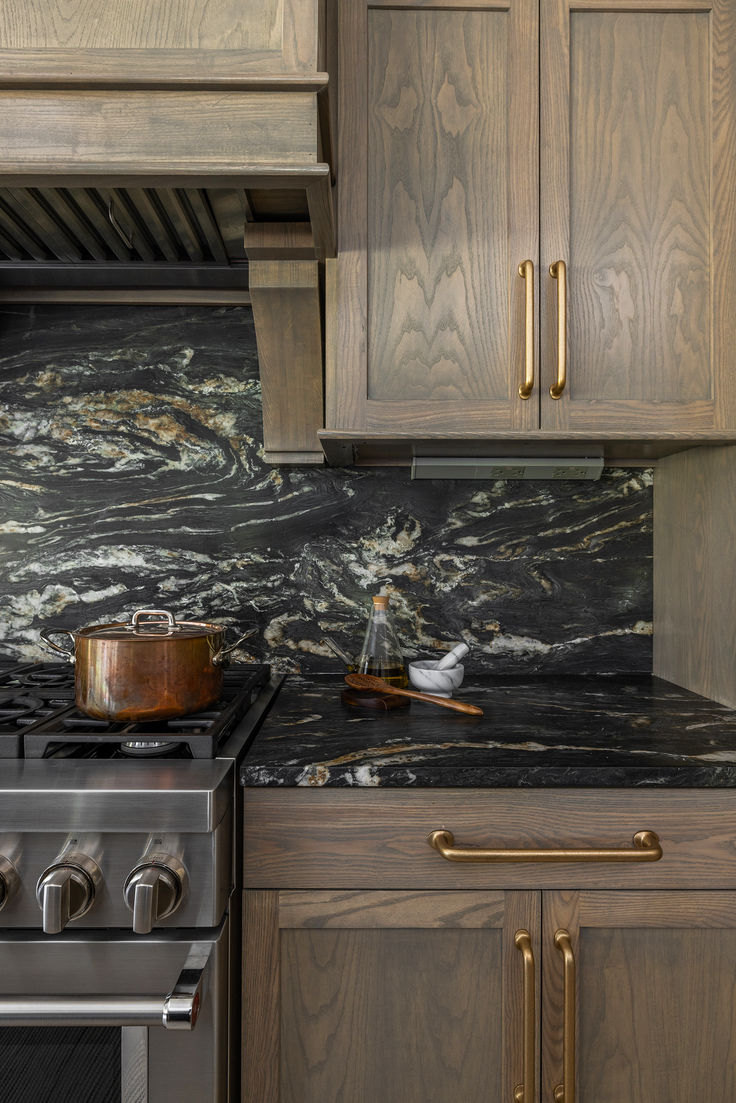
x=380 y=654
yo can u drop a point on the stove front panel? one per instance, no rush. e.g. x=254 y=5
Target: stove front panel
x=206 y=858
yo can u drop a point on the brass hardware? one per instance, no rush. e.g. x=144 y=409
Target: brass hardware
x=565 y=1092
x=526 y=271
x=646 y=848
x=524 y=1093
x=558 y=271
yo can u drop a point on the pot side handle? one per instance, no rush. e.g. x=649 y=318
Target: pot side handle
x=67 y=652
x=221 y=656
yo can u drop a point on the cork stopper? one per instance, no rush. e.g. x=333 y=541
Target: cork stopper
x=381 y=601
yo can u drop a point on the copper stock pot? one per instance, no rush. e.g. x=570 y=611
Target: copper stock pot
x=151 y=668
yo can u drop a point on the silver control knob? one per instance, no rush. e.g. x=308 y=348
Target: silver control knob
x=9 y=880
x=154 y=890
x=66 y=890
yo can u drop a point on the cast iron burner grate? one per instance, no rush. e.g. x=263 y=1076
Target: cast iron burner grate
x=55 y=728
x=29 y=695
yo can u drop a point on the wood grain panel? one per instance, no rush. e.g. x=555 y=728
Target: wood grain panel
x=639 y=303
x=437 y=209
x=291 y=838
x=227 y=70
x=723 y=245
x=151 y=24
x=261 y=998
x=401 y=1016
x=362 y=910
x=663 y=910
x=694 y=591
x=438 y=269
x=657 y=1016
x=638 y=117
x=286 y=312
x=654 y=995
x=523 y=911
x=53 y=131
x=560 y=911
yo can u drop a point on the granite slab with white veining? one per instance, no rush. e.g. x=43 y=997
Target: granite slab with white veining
x=568 y=731
x=132 y=476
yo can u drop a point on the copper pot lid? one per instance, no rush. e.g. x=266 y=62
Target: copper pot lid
x=159 y=623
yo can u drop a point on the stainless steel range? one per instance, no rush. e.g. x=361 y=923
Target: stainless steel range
x=119 y=877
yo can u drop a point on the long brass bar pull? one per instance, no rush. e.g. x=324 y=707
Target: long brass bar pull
x=565 y=1092
x=526 y=271
x=645 y=848
x=524 y=1093
x=558 y=271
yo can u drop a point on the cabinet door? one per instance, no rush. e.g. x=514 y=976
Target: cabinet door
x=653 y=997
x=638 y=135
x=438 y=208
x=388 y=997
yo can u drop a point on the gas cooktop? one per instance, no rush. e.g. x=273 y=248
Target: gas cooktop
x=39 y=719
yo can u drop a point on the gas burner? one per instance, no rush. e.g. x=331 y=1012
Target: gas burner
x=148 y=748
x=14 y=705
x=198 y=735
x=46 y=676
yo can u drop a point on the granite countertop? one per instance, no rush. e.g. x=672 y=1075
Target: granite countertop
x=606 y=731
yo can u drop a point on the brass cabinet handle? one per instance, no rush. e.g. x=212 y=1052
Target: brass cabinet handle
x=526 y=271
x=524 y=1093
x=645 y=848
x=558 y=271
x=565 y=1092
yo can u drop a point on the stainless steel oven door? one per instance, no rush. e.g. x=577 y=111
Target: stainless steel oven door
x=108 y=1017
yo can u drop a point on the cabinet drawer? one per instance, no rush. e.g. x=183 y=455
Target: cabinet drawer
x=304 y=838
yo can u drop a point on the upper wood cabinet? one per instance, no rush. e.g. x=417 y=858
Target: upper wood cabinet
x=477 y=136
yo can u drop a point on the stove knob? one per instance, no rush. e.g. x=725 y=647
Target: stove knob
x=66 y=890
x=9 y=880
x=154 y=890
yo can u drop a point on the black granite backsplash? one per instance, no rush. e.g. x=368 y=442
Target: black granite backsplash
x=131 y=476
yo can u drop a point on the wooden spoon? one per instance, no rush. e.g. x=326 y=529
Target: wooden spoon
x=368 y=681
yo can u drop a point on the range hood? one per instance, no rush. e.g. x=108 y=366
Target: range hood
x=178 y=160
x=130 y=176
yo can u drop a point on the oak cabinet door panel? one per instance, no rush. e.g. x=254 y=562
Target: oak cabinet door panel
x=655 y=988
x=437 y=211
x=384 y=997
x=637 y=117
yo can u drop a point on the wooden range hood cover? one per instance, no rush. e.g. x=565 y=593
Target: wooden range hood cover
x=180 y=175
x=134 y=167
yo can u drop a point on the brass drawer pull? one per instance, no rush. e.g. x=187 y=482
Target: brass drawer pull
x=565 y=1092
x=558 y=271
x=524 y=1093
x=646 y=848
x=526 y=271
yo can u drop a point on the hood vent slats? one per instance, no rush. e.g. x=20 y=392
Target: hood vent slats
x=107 y=225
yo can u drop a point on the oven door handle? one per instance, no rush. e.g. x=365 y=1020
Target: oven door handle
x=178 y=1010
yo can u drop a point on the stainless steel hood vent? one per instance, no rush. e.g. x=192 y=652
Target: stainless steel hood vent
x=507 y=467
x=109 y=225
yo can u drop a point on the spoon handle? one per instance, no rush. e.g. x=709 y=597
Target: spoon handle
x=443 y=702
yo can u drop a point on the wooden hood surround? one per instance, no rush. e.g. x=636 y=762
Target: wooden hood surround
x=153 y=154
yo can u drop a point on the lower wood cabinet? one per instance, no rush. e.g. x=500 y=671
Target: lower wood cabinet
x=385 y=997
x=422 y=997
x=655 y=979
x=594 y=993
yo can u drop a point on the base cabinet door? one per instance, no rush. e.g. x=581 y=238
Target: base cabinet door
x=390 y=997
x=649 y=1015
